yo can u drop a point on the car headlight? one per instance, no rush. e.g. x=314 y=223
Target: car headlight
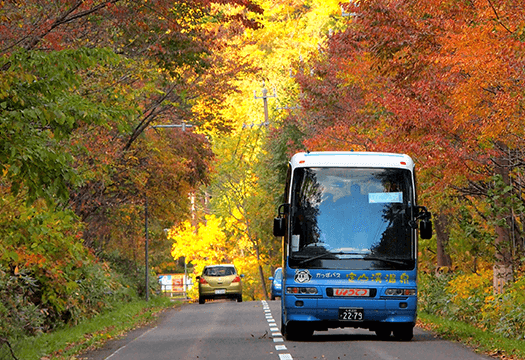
x=400 y=292
x=301 y=290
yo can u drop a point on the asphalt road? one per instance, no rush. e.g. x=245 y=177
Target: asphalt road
x=250 y=330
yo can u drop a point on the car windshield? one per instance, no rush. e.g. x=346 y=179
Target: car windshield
x=219 y=271
x=359 y=216
x=278 y=273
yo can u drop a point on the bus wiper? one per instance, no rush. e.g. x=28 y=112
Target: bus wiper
x=399 y=262
x=322 y=256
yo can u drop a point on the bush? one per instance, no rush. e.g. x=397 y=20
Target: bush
x=505 y=313
x=468 y=293
x=469 y=298
x=47 y=277
x=18 y=314
x=433 y=299
x=132 y=276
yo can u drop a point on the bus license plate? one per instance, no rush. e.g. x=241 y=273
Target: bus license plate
x=351 y=314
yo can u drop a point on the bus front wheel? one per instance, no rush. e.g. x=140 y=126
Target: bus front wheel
x=296 y=330
x=404 y=332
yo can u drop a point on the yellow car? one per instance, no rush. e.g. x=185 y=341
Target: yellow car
x=219 y=282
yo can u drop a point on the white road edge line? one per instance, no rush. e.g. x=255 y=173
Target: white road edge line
x=130 y=343
x=273 y=326
x=285 y=357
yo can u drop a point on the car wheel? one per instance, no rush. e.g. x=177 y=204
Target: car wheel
x=273 y=297
x=201 y=300
x=239 y=298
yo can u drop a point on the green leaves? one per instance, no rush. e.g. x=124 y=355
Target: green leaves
x=42 y=103
x=18 y=314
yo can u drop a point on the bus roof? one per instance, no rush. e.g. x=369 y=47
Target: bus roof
x=352 y=159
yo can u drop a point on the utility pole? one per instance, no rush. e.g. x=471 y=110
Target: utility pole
x=183 y=125
x=265 y=97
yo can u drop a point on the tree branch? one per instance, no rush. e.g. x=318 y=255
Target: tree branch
x=148 y=116
x=497 y=17
x=67 y=17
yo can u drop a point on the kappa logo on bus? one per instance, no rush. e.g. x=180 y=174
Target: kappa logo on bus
x=302 y=276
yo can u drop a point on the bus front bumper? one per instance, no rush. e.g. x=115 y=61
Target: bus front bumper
x=375 y=311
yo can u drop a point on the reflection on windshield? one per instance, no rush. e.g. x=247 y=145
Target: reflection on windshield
x=345 y=213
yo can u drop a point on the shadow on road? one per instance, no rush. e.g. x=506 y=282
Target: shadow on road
x=321 y=337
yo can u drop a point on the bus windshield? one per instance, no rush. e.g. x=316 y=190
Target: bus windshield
x=354 y=218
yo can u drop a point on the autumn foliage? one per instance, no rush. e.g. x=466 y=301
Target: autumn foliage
x=82 y=85
x=442 y=82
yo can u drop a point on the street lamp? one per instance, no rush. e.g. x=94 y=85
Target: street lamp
x=184 y=125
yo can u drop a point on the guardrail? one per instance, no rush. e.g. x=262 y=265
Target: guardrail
x=174 y=292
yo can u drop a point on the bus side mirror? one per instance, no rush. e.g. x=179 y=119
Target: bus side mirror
x=425 y=229
x=278 y=226
x=278 y=222
x=425 y=225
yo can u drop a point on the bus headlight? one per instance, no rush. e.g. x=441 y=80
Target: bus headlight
x=400 y=292
x=301 y=290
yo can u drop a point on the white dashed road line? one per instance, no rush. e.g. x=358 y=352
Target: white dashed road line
x=285 y=357
x=276 y=334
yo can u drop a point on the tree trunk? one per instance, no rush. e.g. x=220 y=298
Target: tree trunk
x=503 y=270
x=261 y=274
x=442 y=236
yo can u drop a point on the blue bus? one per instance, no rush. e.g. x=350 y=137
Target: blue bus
x=349 y=228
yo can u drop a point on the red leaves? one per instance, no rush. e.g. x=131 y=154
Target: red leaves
x=52 y=26
x=442 y=82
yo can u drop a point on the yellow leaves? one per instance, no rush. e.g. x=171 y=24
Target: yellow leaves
x=208 y=242
x=216 y=240
x=203 y=245
x=184 y=238
x=467 y=285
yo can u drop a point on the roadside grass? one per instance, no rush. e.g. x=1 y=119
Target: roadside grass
x=480 y=341
x=91 y=334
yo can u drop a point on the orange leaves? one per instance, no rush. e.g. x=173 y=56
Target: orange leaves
x=483 y=62
x=440 y=81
